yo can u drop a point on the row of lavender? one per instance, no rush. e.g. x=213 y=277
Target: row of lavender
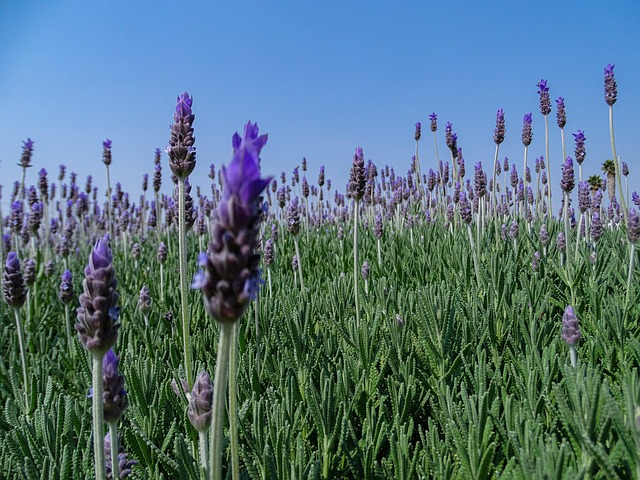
x=234 y=217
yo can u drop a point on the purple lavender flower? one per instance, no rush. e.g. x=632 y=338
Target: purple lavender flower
x=545 y=100
x=201 y=402
x=357 y=176
x=527 y=133
x=144 y=300
x=561 y=242
x=365 y=270
x=610 y=86
x=29 y=272
x=114 y=397
x=27 y=152
x=182 y=153
x=636 y=199
x=543 y=235
x=293 y=217
x=498 y=133
x=535 y=262
x=13 y=287
x=561 y=113
x=570 y=329
x=106 y=152
x=231 y=275
x=97 y=324
x=418 y=131
x=480 y=180
x=625 y=169
x=125 y=465
x=584 y=197
x=269 y=253
x=567 y=182
x=434 y=122
x=514 y=230
x=580 y=151
x=465 y=209
x=162 y=253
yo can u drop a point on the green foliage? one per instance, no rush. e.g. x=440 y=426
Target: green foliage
x=444 y=378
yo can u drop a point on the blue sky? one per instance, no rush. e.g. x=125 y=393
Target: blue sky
x=320 y=77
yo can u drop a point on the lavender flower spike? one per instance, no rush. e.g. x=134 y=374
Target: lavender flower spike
x=200 y=402
x=545 y=100
x=97 y=324
x=610 y=86
x=570 y=331
x=498 y=133
x=182 y=153
x=230 y=277
x=526 y=129
x=114 y=397
x=13 y=286
x=27 y=152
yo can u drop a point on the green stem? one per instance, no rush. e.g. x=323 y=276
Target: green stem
x=204 y=453
x=68 y=325
x=110 y=226
x=233 y=404
x=23 y=359
x=630 y=274
x=623 y=203
x=355 y=258
x=115 y=447
x=219 y=390
x=98 y=417
x=182 y=247
x=295 y=242
x=546 y=150
x=474 y=253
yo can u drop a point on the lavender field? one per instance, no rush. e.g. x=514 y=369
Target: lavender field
x=435 y=319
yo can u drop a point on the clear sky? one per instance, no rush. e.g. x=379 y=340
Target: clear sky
x=320 y=77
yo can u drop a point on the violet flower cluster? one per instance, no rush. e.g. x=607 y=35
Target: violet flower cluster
x=182 y=153
x=231 y=274
x=98 y=314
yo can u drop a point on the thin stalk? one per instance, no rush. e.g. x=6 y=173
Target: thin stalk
x=219 y=390
x=115 y=447
x=110 y=226
x=68 y=325
x=162 y=281
x=474 y=254
x=182 y=247
x=494 y=190
x=355 y=258
x=630 y=275
x=574 y=356
x=256 y=319
x=616 y=162
x=269 y=281
x=379 y=245
x=564 y=151
x=204 y=453
x=295 y=242
x=233 y=403
x=98 y=418
x=578 y=235
x=546 y=151
x=565 y=214
x=23 y=359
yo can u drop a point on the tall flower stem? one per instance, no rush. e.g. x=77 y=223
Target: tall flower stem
x=219 y=390
x=23 y=359
x=494 y=189
x=524 y=181
x=630 y=274
x=115 y=447
x=109 y=213
x=474 y=253
x=546 y=151
x=355 y=258
x=98 y=417
x=295 y=242
x=182 y=247
x=565 y=215
x=233 y=403
x=68 y=325
x=616 y=162
x=203 y=442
